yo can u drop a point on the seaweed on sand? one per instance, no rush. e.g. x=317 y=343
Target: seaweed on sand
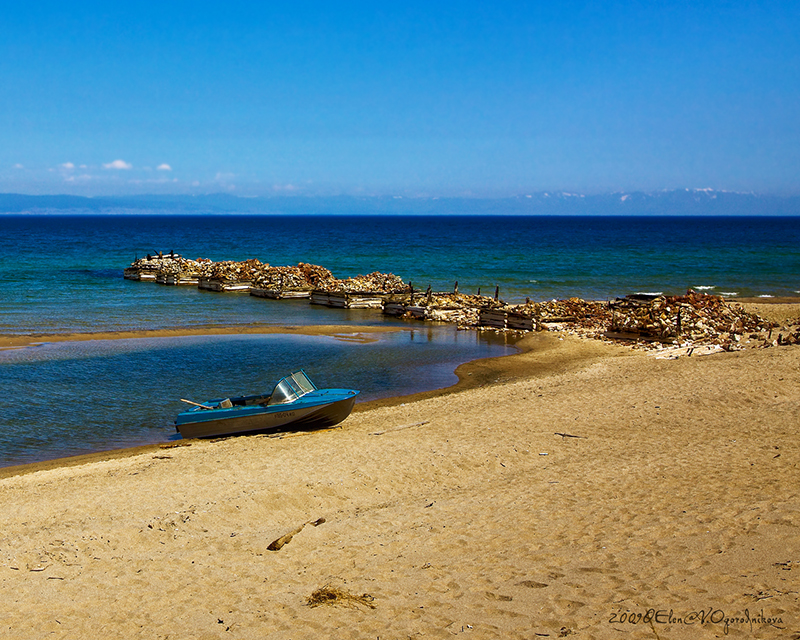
x=334 y=595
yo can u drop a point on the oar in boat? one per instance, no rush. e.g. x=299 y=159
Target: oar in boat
x=196 y=404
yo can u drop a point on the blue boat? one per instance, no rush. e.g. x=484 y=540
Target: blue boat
x=295 y=403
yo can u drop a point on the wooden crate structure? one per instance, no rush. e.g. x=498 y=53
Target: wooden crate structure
x=175 y=279
x=348 y=300
x=494 y=318
x=500 y=319
x=132 y=273
x=278 y=294
x=519 y=322
x=213 y=284
x=399 y=309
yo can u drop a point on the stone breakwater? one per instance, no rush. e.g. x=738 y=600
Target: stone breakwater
x=694 y=319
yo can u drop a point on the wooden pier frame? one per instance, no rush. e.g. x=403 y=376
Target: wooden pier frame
x=175 y=279
x=213 y=284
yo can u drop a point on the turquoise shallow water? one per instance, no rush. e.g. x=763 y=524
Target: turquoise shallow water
x=63 y=273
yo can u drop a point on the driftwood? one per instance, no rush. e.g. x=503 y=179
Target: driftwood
x=405 y=426
x=278 y=544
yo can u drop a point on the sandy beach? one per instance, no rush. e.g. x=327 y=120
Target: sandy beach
x=576 y=489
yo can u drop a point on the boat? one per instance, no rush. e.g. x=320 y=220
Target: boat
x=295 y=403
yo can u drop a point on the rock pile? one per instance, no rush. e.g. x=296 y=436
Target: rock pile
x=461 y=309
x=375 y=282
x=307 y=277
x=184 y=267
x=303 y=277
x=574 y=311
x=691 y=319
x=232 y=271
x=161 y=266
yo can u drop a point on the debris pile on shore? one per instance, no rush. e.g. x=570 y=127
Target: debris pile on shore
x=651 y=321
x=699 y=317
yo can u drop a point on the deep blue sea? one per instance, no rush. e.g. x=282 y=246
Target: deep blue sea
x=63 y=273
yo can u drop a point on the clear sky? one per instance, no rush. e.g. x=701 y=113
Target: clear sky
x=411 y=98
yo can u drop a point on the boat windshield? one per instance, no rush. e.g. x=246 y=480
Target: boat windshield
x=291 y=388
x=303 y=381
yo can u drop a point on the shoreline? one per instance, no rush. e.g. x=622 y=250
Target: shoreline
x=538 y=356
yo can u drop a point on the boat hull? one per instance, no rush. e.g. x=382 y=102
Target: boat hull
x=315 y=414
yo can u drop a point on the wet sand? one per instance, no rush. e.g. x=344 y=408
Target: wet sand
x=552 y=493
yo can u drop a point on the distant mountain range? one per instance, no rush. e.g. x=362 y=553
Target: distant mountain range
x=674 y=202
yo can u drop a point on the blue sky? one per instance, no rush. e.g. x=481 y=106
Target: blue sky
x=434 y=98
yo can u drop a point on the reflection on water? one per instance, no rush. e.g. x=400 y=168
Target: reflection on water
x=69 y=398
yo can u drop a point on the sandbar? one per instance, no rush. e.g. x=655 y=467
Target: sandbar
x=8 y=341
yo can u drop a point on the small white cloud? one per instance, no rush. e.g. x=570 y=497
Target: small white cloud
x=118 y=164
x=68 y=166
x=164 y=167
x=18 y=166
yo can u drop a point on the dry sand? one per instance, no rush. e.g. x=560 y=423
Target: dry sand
x=557 y=493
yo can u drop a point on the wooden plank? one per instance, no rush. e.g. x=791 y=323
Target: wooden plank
x=209 y=284
x=492 y=318
x=519 y=322
x=319 y=297
x=416 y=312
x=278 y=294
x=394 y=308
